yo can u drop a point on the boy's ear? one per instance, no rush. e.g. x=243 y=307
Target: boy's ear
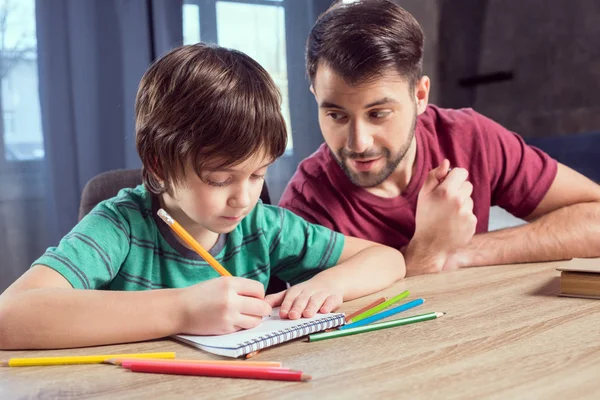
x=312 y=90
x=153 y=169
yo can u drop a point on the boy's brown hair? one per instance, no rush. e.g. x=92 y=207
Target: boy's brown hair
x=207 y=105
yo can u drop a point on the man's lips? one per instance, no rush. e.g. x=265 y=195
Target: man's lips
x=364 y=165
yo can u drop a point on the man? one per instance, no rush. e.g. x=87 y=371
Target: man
x=420 y=178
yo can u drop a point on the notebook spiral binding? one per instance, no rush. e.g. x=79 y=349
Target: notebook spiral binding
x=292 y=333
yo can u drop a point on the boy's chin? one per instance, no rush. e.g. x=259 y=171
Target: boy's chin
x=222 y=229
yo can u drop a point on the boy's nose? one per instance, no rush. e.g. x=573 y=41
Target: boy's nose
x=240 y=200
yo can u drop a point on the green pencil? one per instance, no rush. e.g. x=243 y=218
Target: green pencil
x=374 y=327
x=380 y=307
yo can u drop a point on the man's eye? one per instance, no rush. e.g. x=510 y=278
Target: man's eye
x=379 y=114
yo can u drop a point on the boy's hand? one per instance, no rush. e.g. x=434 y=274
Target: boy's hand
x=222 y=305
x=306 y=299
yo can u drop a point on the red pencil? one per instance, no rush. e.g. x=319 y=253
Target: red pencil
x=126 y=363
x=281 y=374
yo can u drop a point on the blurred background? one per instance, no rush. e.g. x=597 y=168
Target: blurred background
x=69 y=71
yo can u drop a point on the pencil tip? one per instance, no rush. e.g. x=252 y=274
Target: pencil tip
x=112 y=361
x=305 y=377
x=4 y=363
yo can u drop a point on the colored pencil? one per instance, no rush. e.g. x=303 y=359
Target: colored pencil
x=187 y=238
x=95 y=359
x=126 y=362
x=365 y=308
x=374 y=327
x=225 y=371
x=380 y=307
x=383 y=314
x=250 y=355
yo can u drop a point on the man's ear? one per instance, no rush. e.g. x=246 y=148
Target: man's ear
x=422 y=88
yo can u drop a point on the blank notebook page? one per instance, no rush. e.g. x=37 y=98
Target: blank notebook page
x=271 y=331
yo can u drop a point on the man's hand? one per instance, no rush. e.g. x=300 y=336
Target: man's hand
x=444 y=220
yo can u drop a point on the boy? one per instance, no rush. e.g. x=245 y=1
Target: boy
x=208 y=124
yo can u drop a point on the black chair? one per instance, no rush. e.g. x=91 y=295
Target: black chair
x=107 y=185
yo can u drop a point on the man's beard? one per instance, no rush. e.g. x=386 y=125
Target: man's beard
x=372 y=179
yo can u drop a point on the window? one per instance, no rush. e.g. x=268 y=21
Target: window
x=20 y=126
x=256 y=27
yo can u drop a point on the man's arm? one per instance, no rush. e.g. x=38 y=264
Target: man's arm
x=564 y=225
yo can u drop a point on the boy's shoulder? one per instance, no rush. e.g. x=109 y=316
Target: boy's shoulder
x=129 y=203
x=266 y=218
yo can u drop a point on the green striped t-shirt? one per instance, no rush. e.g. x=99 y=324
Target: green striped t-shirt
x=123 y=245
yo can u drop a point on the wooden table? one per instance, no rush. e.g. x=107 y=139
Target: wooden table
x=506 y=335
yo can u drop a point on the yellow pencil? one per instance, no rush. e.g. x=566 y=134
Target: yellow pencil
x=273 y=364
x=186 y=237
x=96 y=359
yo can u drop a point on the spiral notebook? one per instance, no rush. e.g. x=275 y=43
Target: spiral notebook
x=273 y=330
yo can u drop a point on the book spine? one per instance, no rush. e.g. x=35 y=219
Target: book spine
x=285 y=335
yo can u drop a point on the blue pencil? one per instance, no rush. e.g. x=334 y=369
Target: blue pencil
x=384 y=314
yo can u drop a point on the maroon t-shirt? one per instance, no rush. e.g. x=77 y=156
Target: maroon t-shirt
x=504 y=171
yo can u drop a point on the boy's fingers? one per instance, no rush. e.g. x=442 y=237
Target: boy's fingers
x=247 y=321
x=275 y=299
x=248 y=287
x=255 y=307
x=314 y=304
x=299 y=306
x=331 y=303
x=288 y=301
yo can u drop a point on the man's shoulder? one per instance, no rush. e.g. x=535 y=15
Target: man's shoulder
x=439 y=118
x=312 y=171
x=315 y=165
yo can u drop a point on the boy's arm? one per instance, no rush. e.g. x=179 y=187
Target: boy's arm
x=41 y=310
x=363 y=268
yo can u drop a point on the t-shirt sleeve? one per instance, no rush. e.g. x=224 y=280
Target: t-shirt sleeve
x=298 y=199
x=299 y=249
x=90 y=256
x=520 y=174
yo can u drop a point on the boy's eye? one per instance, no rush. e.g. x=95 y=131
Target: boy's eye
x=217 y=184
x=335 y=116
x=257 y=176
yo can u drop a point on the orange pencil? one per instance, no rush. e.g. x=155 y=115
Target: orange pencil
x=187 y=238
x=126 y=362
x=365 y=308
x=250 y=355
